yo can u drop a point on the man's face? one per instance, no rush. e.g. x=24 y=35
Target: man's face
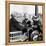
x=19 y=17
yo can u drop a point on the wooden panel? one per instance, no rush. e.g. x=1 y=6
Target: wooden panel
x=43 y=11
x=7 y=21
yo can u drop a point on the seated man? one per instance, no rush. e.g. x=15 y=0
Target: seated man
x=15 y=25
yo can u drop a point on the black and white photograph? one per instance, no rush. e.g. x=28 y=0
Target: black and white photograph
x=26 y=23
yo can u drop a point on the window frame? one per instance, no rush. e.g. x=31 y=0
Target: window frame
x=8 y=17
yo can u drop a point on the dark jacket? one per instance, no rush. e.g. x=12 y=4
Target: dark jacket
x=15 y=26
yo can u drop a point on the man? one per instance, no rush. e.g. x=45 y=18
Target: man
x=16 y=24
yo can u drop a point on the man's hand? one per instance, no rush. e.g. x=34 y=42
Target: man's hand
x=21 y=24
